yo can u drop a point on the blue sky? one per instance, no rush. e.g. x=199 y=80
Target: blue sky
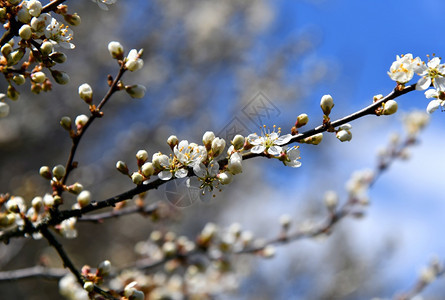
x=362 y=38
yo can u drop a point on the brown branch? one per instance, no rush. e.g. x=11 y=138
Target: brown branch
x=98 y=218
x=67 y=263
x=33 y=272
x=76 y=139
x=58 y=217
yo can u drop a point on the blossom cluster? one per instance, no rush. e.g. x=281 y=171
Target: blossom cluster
x=39 y=35
x=16 y=211
x=432 y=74
x=209 y=162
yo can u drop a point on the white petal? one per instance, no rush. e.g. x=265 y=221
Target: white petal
x=293 y=164
x=200 y=170
x=165 y=175
x=431 y=93
x=213 y=169
x=181 y=173
x=283 y=139
x=423 y=83
x=433 y=105
x=439 y=83
x=434 y=62
x=274 y=150
x=257 y=149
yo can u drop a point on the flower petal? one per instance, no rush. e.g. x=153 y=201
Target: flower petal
x=433 y=105
x=423 y=83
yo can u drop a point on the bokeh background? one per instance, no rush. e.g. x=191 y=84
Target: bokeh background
x=204 y=62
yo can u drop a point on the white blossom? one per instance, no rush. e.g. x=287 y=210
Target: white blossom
x=268 y=142
x=432 y=72
x=207 y=175
x=134 y=63
x=190 y=154
x=439 y=99
x=67 y=228
x=402 y=70
x=59 y=34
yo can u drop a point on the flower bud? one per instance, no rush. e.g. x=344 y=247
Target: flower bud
x=302 y=120
x=36 y=88
x=331 y=200
x=6 y=49
x=19 y=79
x=377 y=97
x=59 y=171
x=172 y=141
x=73 y=19
x=134 y=62
x=156 y=160
x=122 y=167
x=86 y=93
x=4 y=109
x=58 y=57
x=207 y=139
x=141 y=157
x=34 y=8
x=225 y=178
x=14 y=2
x=116 y=50
x=104 y=268
x=45 y=172
x=25 y=32
x=136 y=91
x=76 y=188
x=218 y=146
x=3 y=14
x=23 y=15
x=130 y=292
x=344 y=135
x=314 y=140
x=48 y=200
x=65 y=122
x=80 y=121
x=57 y=200
x=137 y=178
x=46 y=48
x=238 y=142
x=37 y=203
x=88 y=286
x=326 y=104
x=17 y=55
x=235 y=163
x=38 y=77
x=390 y=107
x=147 y=169
x=268 y=251
x=12 y=93
x=60 y=77
x=84 y=198
x=169 y=248
x=285 y=221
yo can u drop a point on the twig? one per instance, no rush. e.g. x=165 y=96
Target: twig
x=58 y=217
x=97 y=218
x=67 y=263
x=76 y=139
x=37 y=271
